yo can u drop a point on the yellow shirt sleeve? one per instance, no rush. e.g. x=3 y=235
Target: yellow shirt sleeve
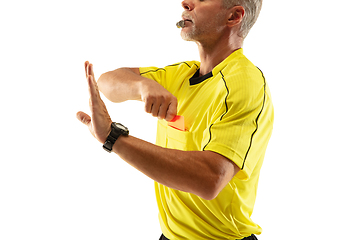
x=166 y=76
x=243 y=126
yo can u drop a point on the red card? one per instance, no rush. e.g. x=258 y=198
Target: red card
x=178 y=122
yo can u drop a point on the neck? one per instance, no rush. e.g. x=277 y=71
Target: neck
x=211 y=54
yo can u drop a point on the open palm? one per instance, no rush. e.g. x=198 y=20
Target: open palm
x=99 y=123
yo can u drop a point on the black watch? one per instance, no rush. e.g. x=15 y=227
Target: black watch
x=117 y=130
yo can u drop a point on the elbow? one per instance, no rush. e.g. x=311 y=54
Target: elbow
x=103 y=83
x=211 y=190
x=105 y=86
x=209 y=196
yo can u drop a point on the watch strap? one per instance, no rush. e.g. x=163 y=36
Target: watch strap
x=115 y=133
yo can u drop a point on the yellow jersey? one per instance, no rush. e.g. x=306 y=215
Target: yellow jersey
x=228 y=111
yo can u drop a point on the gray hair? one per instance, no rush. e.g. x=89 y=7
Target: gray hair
x=252 y=11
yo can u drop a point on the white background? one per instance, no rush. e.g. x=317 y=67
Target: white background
x=56 y=182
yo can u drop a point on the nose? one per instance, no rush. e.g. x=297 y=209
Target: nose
x=188 y=5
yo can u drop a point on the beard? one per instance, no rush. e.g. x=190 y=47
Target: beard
x=193 y=33
x=199 y=32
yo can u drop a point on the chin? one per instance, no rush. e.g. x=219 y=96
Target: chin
x=187 y=36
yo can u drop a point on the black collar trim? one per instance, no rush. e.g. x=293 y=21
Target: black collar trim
x=195 y=79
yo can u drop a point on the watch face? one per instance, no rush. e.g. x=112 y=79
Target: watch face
x=121 y=126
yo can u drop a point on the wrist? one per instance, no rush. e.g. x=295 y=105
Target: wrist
x=117 y=130
x=141 y=86
x=106 y=135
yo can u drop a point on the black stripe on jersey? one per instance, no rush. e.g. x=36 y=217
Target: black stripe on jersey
x=226 y=106
x=257 y=120
x=177 y=64
x=209 y=138
x=223 y=78
x=153 y=71
x=173 y=65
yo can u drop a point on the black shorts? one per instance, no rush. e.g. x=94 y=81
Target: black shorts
x=252 y=237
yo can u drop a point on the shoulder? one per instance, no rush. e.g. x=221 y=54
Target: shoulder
x=239 y=72
x=245 y=83
x=186 y=65
x=243 y=70
x=170 y=69
x=242 y=76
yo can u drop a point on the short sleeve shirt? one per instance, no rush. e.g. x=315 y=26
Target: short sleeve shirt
x=228 y=111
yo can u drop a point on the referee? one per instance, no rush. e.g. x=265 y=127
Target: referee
x=215 y=121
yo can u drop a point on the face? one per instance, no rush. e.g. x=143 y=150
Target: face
x=204 y=19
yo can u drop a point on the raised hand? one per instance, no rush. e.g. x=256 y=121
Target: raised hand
x=99 y=123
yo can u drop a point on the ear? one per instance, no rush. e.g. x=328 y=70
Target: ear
x=235 y=16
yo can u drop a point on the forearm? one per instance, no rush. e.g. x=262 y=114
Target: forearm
x=121 y=84
x=196 y=172
x=127 y=84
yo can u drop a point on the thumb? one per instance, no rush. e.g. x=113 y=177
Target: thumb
x=83 y=117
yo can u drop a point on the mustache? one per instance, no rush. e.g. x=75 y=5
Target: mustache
x=187 y=16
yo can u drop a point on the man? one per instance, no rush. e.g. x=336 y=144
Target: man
x=206 y=166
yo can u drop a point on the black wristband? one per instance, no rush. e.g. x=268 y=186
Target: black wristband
x=117 y=130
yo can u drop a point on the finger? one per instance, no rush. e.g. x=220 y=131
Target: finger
x=162 y=110
x=86 y=66
x=171 y=111
x=83 y=117
x=88 y=69
x=155 y=109
x=91 y=70
x=148 y=105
